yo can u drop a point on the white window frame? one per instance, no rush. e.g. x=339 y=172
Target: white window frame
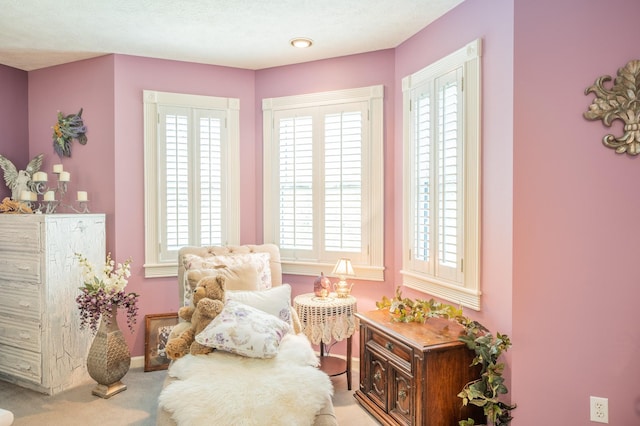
x=465 y=292
x=371 y=264
x=154 y=265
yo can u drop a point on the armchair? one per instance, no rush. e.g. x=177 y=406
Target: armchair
x=192 y=264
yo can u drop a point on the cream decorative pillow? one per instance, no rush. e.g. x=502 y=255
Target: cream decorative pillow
x=259 y=260
x=275 y=301
x=240 y=277
x=244 y=330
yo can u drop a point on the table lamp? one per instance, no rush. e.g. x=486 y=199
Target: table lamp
x=343 y=269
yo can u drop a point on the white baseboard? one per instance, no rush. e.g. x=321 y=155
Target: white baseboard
x=137 y=362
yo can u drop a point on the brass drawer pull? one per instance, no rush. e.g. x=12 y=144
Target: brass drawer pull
x=389 y=346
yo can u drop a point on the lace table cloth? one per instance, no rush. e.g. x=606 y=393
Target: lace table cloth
x=323 y=319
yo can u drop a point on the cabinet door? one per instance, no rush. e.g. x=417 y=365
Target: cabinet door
x=401 y=394
x=377 y=378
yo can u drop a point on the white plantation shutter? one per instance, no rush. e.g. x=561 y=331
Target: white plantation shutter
x=442 y=184
x=191 y=144
x=437 y=178
x=296 y=183
x=191 y=174
x=211 y=188
x=320 y=182
x=449 y=177
x=343 y=182
x=422 y=234
x=323 y=180
x=174 y=129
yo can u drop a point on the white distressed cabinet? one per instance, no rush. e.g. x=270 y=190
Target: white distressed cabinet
x=41 y=344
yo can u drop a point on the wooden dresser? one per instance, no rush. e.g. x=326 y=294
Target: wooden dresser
x=411 y=373
x=41 y=344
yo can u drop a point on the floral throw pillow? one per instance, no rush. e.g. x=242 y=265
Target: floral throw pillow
x=244 y=330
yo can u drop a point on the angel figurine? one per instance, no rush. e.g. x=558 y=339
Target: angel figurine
x=19 y=181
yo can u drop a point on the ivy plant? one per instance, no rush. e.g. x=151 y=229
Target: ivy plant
x=484 y=392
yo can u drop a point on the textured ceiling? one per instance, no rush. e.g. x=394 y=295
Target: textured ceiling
x=250 y=34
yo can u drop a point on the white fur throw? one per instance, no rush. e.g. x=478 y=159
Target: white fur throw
x=227 y=389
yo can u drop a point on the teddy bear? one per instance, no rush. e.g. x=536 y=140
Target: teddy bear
x=208 y=302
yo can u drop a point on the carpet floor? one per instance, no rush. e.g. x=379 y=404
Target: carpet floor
x=137 y=405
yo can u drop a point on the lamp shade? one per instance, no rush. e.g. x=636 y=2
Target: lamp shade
x=343 y=268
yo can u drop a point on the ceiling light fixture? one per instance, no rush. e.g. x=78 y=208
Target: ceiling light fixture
x=301 y=42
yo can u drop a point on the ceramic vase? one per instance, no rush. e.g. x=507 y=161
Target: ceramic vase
x=109 y=358
x=321 y=286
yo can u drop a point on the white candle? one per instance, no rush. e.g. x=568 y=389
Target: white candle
x=82 y=195
x=34 y=196
x=25 y=196
x=57 y=168
x=39 y=177
x=49 y=196
x=65 y=176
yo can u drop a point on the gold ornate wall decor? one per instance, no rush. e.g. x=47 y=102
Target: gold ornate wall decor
x=621 y=102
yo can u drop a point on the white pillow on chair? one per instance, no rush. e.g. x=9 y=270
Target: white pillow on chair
x=275 y=301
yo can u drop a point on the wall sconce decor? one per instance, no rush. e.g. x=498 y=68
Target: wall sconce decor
x=343 y=269
x=621 y=102
x=67 y=128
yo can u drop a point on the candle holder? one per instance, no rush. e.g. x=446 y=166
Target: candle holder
x=52 y=196
x=83 y=207
x=49 y=207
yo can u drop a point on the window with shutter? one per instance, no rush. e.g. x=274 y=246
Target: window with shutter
x=323 y=180
x=442 y=183
x=191 y=174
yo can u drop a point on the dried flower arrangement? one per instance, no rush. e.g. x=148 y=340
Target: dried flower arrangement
x=67 y=128
x=103 y=292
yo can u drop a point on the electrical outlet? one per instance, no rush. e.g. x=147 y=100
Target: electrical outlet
x=599 y=409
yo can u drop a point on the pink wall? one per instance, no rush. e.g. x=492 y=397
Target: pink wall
x=447 y=34
x=14 y=142
x=67 y=88
x=333 y=74
x=575 y=283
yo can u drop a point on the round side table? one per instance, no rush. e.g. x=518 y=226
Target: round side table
x=326 y=319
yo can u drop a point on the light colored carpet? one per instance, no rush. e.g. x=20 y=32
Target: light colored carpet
x=137 y=405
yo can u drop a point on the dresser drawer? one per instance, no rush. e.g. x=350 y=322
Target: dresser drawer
x=20 y=236
x=20 y=267
x=21 y=300
x=391 y=345
x=21 y=364
x=20 y=333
